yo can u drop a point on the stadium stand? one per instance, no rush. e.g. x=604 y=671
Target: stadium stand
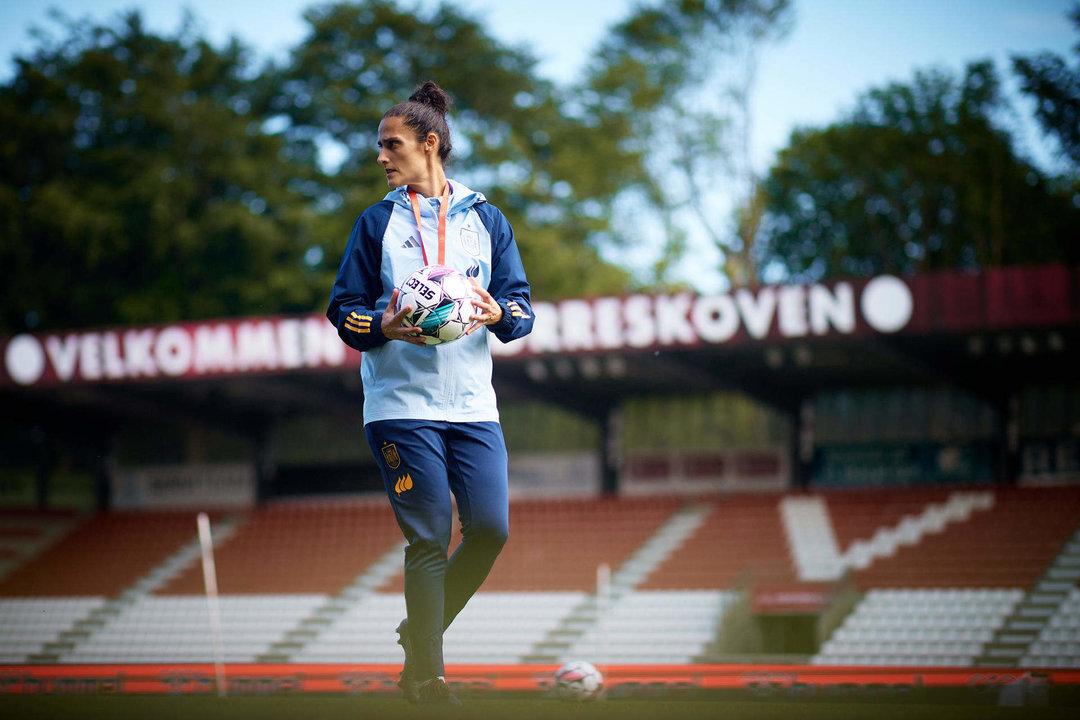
x=658 y=626
x=1006 y=546
x=497 y=627
x=741 y=540
x=297 y=547
x=103 y=556
x=319 y=581
x=919 y=627
x=28 y=623
x=556 y=545
x=1058 y=644
x=176 y=629
x=857 y=514
x=26 y=533
x=812 y=539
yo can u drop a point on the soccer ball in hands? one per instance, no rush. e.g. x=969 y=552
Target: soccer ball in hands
x=578 y=681
x=441 y=300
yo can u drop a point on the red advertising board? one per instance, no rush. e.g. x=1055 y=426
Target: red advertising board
x=478 y=680
x=789 y=599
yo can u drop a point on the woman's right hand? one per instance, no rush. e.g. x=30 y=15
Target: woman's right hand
x=392 y=326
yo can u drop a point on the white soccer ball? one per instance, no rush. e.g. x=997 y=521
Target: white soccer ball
x=441 y=300
x=578 y=681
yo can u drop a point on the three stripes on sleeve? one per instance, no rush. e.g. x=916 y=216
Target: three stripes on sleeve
x=358 y=323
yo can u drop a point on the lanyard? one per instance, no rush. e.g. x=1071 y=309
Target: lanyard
x=444 y=201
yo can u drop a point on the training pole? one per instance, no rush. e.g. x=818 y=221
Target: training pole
x=603 y=598
x=210 y=581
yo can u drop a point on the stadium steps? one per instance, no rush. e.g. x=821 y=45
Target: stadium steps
x=97 y=619
x=634 y=570
x=324 y=616
x=28 y=622
x=1058 y=643
x=742 y=538
x=183 y=558
x=920 y=626
x=1014 y=639
x=815 y=550
x=24 y=538
x=654 y=626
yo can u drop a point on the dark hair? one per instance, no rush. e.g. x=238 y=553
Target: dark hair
x=425 y=112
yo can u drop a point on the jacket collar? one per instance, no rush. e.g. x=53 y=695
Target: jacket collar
x=461 y=197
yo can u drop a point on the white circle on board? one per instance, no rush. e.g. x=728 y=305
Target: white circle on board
x=887 y=303
x=25 y=359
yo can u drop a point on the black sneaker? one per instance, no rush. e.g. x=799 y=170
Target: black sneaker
x=435 y=692
x=407 y=683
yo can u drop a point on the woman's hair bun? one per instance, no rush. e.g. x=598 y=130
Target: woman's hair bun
x=431 y=94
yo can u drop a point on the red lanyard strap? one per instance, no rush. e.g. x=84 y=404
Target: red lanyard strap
x=444 y=202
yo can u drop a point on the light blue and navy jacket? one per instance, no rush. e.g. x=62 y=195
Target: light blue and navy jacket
x=450 y=382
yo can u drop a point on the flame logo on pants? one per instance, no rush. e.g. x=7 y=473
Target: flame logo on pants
x=403 y=483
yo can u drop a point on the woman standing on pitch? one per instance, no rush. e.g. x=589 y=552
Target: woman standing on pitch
x=429 y=412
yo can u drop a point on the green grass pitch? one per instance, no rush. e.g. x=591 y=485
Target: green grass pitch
x=157 y=707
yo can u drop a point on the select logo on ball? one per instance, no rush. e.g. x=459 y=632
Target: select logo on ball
x=441 y=300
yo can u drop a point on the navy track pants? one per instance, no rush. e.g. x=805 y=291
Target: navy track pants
x=422 y=462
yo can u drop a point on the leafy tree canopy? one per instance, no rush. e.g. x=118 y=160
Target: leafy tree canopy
x=919 y=177
x=137 y=185
x=149 y=178
x=672 y=85
x=1055 y=86
x=511 y=140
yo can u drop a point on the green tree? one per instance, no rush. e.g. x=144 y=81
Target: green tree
x=919 y=177
x=672 y=86
x=1055 y=86
x=512 y=140
x=137 y=185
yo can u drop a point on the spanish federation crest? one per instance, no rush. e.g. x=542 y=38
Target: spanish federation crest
x=470 y=241
x=390 y=455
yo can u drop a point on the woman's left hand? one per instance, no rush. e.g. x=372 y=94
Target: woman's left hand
x=487 y=311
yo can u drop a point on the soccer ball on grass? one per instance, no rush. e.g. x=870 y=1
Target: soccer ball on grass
x=441 y=300
x=578 y=681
